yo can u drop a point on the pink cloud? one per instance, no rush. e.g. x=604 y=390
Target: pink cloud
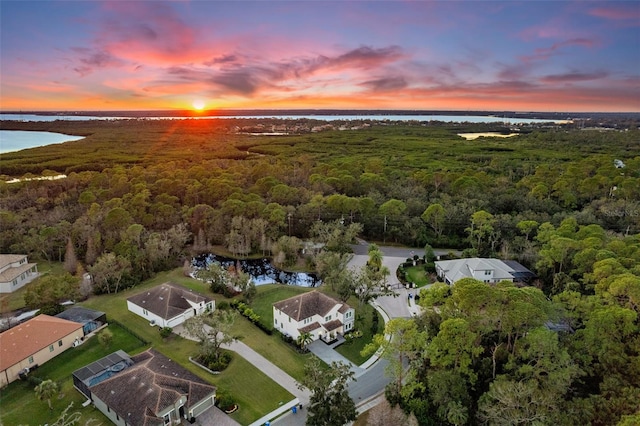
x=629 y=15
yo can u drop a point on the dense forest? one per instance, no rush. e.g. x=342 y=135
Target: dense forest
x=140 y=196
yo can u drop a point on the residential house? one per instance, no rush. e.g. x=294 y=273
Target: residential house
x=169 y=305
x=147 y=389
x=485 y=270
x=91 y=320
x=313 y=312
x=33 y=343
x=16 y=272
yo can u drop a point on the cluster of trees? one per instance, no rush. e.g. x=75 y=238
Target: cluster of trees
x=418 y=194
x=503 y=354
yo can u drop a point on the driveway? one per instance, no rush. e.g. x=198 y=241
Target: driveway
x=214 y=416
x=327 y=354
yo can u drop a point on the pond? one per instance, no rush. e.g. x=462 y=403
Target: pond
x=260 y=270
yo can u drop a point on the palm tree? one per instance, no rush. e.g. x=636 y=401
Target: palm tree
x=304 y=339
x=47 y=390
x=375 y=259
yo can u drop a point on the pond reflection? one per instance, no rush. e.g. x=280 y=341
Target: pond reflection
x=260 y=270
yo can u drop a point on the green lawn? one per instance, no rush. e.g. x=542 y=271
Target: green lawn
x=255 y=392
x=352 y=347
x=19 y=398
x=417 y=274
x=15 y=300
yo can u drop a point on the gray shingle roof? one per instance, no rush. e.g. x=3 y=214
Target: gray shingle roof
x=167 y=300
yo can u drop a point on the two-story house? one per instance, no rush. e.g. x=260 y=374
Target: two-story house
x=16 y=272
x=321 y=316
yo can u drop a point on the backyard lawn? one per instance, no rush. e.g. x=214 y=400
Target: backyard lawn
x=18 y=401
x=15 y=300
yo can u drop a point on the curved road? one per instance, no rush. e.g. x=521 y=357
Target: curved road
x=371 y=382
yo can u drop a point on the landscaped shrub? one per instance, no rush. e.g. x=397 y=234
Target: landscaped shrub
x=225 y=402
x=430 y=267
x=165 y=332
x=214 y=364
x=374 y=322
x=223 y=305
x=249 y=314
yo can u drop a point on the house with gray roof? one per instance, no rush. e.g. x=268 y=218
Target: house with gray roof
x=169 y=305
x=147 y=389
x=322 y=316
x=482 y=269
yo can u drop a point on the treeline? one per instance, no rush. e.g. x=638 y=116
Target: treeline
x=412 y=184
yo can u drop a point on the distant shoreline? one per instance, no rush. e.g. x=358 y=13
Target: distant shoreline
x=324 y=112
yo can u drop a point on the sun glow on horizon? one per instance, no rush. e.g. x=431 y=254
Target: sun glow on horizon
x=198 y=104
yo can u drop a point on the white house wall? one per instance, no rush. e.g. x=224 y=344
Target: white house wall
x=146 y=314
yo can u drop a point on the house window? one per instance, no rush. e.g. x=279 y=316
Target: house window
x=59 y=342
x=15 y=282
x=50 y=348
x=487 y=272
x=167 y=419
x=30 y=360
x=145 y=312
x=348 y=314
x=275 y=321
x=327 y=318
x=347 y=326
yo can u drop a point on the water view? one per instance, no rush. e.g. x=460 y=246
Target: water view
x=260 y=270
x=16 y=140
x=390 y=117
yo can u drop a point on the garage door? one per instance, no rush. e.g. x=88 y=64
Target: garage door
x=202 y=407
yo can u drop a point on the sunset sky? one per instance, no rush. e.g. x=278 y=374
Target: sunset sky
x=456 y=55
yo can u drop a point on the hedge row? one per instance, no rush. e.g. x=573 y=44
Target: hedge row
x=248 y=313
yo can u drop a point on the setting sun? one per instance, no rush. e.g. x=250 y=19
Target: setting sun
x=198 y=104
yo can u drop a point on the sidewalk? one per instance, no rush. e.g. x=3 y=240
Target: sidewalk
x=263 y=364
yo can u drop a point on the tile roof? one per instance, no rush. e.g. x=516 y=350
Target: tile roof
x=308 y=304
x=168 y=300
x=153 y=383
x=26 y=339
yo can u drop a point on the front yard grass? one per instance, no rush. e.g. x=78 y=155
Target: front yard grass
x=364 y=319
x=253 y=391
x=417 y=275
x=272 y=348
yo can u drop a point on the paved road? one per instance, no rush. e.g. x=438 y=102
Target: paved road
x=368 y=388
x=371 y=377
